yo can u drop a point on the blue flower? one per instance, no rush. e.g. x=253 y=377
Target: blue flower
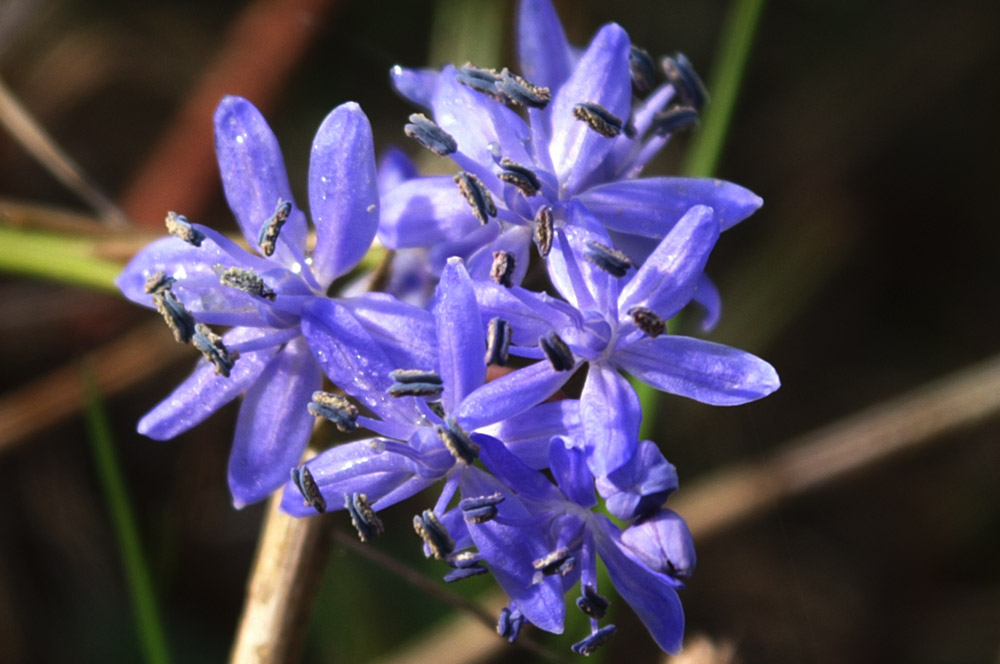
x=519 y=177
x=207 y=279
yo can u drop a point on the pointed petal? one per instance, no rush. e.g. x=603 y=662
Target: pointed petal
x=700 y=370
x=651 y=206
x=531 y=315
x=577 y=279
x=343 y=191
x=610 y=415
x=253 y=175
x=461 y=341
x=204 y=391
x=601 y=77
x=650 y=594
x=273 y=427
x=706 y=295
x=569 y=468
x=528 y=437
x=515 y=240
x=395 y=167
x=414 y=85
x=667 y=280
x=542 y=49
x=425 y=211
x=511 y=395
x=406 y=332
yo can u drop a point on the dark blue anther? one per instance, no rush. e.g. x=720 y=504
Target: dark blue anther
x=498 y=335
x=509 y=624
x=434 y=138
x=610 y=260
x=502 y=271
x=415 y=383
x=543 y=230
x=267 y=238
x=673 y=119
x=335 y=408
x=519 y=92
x=178 y=318
x=434 y=534
x=481 y=508
x=480 y=80
x=477 y=195
x=591 y=603
x=681 y=74
x=306 y=485
x=520 y=176
x=642 y=69
x=598 y=118
x=211 y=346
x=158 y=282
x=594 y=641
x=464 y=573
x=463 y=559
x=179 y=226
x=457 y=441
x=244 y=280
x=363 y=517
x=558 y=562
x=557 y=352
x=648 y=321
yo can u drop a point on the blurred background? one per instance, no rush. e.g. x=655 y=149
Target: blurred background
x=870 y=130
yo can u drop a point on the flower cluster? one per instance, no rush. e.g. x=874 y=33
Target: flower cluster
x=454 y=375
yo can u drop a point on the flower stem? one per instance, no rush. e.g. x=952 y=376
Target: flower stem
x=144 y=604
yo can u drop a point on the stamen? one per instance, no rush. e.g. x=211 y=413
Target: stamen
x=509 y=625
x=179 y=226
x=480 y=80
x=591 y=603
x=674 y=118
x=424 y=131
x=482 y=508
x=464 y=573
x=463 y=559
x=244 y=280
x=594 y=641
x=415 y=383
x=157 y=282
x=681 y=74
x=434 y=534
x=498 y=335
x=642 y=69
x=477 y=196
x=543 y=230
x=457 y=441
x=267 y=238
x=558 y=562
x=556 y=350
x=437 y=408
x=520 y=176
x=648 y=321
x=502 y=271
x=610 y=260
x=211 y=346
x=598 y=118
x=180 y=322
x=306 y=485
x=335 y=408
x=363 y=517
x=519 y=92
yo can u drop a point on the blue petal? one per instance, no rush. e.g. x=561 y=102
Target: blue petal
x=542 y=49
x=700 y=370
x=515 y=240
x=253 y=175
x=528 y=437
x=650 y=594
x=610 y=415
x=569 y=468
x=461 y=341
x=577 y=279
x=667 y=280
x=511 y=395
x=394 y=168
x=531 y=315
x=343 y=192
x=706 y=295
x=204 y=391
x=415 y=85
x=425 y=211
x=405 y=332
x=639 y=486
x=651 y=206
x=273 y=427
x=601 y=77
x=513 y=472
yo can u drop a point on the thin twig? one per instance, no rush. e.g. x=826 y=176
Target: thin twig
x=282 y=588
x=33 y=138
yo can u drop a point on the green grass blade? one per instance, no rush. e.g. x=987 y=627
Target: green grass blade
x=148 y=624
x=53 y=257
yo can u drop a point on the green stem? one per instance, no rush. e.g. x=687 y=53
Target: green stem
x=144 y=604
x=703 y=159
x=56 y=258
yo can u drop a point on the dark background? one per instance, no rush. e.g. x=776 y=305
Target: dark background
x=870 y=130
